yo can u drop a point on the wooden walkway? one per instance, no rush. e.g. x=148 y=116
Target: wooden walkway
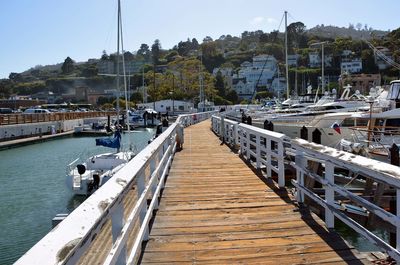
x=216 y=210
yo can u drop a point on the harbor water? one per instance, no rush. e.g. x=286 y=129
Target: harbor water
x=33 y=187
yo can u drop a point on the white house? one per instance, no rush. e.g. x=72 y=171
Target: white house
x=315 y=59
x=205 y=106
x=262 y=70
x=346 y=53
x=351 y=66
x=243 y=89
x=227 y=73
x=170 y=106
x=293 y=59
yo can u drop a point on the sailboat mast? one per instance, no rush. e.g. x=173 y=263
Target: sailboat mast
x=286 y=58
x=144 y=89
x=118 y=31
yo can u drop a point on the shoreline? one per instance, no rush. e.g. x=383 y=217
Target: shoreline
x=32 y=140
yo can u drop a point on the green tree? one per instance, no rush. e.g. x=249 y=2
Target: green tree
x=103 y=100
x=155 y=51
x=296 y=35
x=144 y=51
x=368 y=62
x=104 y=56
x=232 y=96
x=15 y=77
x=219 y=84
x=68 y=66
x=171 y=56
x=136 y=97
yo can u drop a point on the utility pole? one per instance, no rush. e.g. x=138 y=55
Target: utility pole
x=173 y=94
x=154 y=84
x=286 y=58
x=201 y=95
x=118 y=39
x=322 y=63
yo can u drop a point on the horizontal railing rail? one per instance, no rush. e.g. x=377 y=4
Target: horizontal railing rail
x=273 y=151
x=70 y=239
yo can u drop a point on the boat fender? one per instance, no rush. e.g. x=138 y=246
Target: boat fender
x=81 y=169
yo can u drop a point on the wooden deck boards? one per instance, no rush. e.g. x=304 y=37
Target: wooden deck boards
x=216 y=210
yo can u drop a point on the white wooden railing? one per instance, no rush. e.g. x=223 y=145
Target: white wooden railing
x=69 y=240
x=264 y=148
x=333 y=159
x=256 y=145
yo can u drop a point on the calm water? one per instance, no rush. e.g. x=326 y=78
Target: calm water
x=33 y=188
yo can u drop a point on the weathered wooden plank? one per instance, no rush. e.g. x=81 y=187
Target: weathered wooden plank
x=216 y=210
x=291 y=254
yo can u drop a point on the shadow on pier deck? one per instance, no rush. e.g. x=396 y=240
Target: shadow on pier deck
x=216 y=210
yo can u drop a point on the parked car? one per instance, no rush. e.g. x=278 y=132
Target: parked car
x=5 y=111
x=31 y=111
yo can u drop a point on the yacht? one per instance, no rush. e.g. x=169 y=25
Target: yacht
x=382 y=130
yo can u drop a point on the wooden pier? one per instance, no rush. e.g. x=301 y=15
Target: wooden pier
x=206 y=204
x=216 y=210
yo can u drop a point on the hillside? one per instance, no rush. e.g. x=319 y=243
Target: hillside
x=356 y=34
x=180 y=65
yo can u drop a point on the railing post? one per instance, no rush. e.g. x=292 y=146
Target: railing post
x=258 y=151
x=143 y=209
x=248 y=145
x=329 y=194
x=268 y=157
x=222 y=129
x=242 y=141
x=281 y=165
x=235 y=134
x=300 y=161
x=117 y=223
x=398 y=225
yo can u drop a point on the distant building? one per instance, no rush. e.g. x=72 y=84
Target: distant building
x=351 y=66
x=293 y=59
x=346 y=53
x=205 y=106
x=379 y=61
x=170 y=106
x=315 y=59
x=243 y=89
x=20 y=102
x=261 y=72
x=361 y=82
x=46 y=96
x=227 y=74
x=93 y=96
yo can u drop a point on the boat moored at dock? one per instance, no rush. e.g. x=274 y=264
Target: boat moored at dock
x=86 y=177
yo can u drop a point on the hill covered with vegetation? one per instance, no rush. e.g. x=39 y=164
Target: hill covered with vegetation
x=178 y=70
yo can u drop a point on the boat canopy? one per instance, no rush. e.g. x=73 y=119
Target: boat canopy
x=110 y=142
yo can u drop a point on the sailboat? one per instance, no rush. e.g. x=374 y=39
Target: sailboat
x=84 y=178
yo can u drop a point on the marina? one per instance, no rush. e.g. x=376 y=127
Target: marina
x=232 y=204
x=277 y=147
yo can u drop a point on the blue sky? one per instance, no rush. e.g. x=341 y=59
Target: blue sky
x=45 y=32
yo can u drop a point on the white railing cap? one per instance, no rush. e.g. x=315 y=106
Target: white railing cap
x=381 y=171
x=270 y=134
